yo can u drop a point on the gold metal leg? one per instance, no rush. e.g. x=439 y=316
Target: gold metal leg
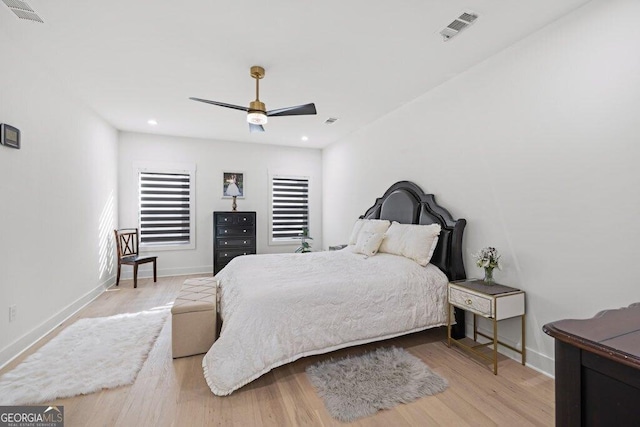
x=524 y=343
x=449 y=325
x=495 y=346
x=475 y=328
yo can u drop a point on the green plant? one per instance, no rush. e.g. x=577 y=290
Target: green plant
x=304 y=245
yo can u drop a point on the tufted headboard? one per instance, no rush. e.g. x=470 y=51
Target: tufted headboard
x=406 y=203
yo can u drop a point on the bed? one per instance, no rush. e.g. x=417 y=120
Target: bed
x=277 y=308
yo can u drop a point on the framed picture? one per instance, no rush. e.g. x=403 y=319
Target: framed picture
x=232 y=185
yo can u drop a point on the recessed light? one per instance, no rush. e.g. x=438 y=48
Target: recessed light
x=152 y=122
x=305 y=138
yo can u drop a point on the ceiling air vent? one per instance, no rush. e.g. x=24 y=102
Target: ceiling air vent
x=23 y=10
x=458 y=24
x=330 y=121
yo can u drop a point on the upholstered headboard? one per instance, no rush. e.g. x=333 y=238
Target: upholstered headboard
x=406 y=203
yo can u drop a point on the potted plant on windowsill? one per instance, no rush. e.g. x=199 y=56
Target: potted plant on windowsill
x=304 y=245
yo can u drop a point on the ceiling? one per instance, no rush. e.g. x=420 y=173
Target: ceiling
x=357 y=60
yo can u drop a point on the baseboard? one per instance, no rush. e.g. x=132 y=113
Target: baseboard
x=17 y=347
x=535 y=360
x=146 y=271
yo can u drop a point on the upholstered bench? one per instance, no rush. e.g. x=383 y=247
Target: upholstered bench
x=193 y=317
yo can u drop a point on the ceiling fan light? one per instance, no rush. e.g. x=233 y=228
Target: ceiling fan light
x=257 y=118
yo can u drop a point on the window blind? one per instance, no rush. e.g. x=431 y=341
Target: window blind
x=290 y=207
x=165 y=208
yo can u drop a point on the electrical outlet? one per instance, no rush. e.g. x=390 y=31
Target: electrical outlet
x=12 y=313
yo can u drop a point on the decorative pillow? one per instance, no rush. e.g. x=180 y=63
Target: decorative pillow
x=413 y=241
x=368 y=225
x=355 y=231
x=368 y=243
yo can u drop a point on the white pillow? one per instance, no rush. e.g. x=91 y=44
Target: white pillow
x=355 y=231
x=368 y=243
x=368 y=225
x=416 y=242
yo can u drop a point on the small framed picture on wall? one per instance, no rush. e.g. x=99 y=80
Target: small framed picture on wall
x=233 y=185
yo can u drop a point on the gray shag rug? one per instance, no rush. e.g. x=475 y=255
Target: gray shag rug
x=359 y=386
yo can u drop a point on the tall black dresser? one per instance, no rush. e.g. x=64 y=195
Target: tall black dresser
x=234 y=235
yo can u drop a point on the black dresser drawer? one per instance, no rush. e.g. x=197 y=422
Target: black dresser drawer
x=235 y=219
x=234 y=235
x=229 y=242
x=224 y=231
x=231 y=254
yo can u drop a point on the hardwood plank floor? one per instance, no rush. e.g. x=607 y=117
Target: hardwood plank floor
x=171 y=392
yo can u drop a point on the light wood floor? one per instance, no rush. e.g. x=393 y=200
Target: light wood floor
x=171 y=392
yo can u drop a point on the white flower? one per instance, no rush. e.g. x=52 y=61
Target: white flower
x=488 y=258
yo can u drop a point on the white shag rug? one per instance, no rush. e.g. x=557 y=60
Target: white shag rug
x=88 y=356
x=359 y=386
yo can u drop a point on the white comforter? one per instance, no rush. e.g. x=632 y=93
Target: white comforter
x=278 y=308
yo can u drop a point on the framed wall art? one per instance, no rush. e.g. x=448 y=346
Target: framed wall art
x=233 y=185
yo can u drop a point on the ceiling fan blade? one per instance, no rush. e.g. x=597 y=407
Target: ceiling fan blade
x=299 y=110
x=255 y=128
x=221 y=104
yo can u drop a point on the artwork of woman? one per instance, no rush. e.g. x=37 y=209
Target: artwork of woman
x=232 y=187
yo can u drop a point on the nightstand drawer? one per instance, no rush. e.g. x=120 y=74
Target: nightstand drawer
x=469 y=301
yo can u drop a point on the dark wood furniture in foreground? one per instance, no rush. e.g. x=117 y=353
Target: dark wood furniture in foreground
x=234 y=235
x=127 y=244
x=406 y=203
x=495 y=302
x=598 y=369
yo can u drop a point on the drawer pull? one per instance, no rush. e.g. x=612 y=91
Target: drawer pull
x=225 y=243
x=225 y=231
x=244 y=242
x=468 y=301
x=244 y=253
x=225 y=254
x=244 y=231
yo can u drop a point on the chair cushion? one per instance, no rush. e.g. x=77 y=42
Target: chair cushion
x=136 y=258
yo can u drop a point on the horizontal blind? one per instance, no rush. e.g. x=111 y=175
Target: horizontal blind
x=164 y=207
x=290 y=207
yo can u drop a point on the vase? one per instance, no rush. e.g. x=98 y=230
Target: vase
x=488 y=275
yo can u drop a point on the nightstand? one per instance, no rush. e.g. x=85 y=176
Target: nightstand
x=495 y=302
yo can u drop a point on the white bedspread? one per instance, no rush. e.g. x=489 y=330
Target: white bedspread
x=278 y=308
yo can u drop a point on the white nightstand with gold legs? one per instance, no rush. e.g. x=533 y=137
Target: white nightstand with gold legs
x=495 y=302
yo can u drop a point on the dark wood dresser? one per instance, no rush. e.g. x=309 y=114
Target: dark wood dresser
x=598 y=369
x=234 y=234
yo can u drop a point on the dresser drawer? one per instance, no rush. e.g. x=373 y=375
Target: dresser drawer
x=228 y=242
x=223 y=231
x=235 y=219
x=230 y=254
x=470 y=301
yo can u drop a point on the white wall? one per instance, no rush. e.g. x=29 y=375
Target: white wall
x=57 y=203
x=537 y=147
x=211 y=159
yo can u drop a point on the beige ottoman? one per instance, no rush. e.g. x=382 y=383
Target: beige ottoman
x=193 y=317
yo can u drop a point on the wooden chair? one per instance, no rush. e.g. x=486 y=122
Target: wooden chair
x=127 y=243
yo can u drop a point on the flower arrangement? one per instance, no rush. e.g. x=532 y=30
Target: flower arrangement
x=488 y=258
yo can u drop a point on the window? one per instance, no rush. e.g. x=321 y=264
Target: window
x=289 y=207
x=166 y=209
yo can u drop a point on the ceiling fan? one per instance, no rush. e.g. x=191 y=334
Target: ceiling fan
x=256 y=112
